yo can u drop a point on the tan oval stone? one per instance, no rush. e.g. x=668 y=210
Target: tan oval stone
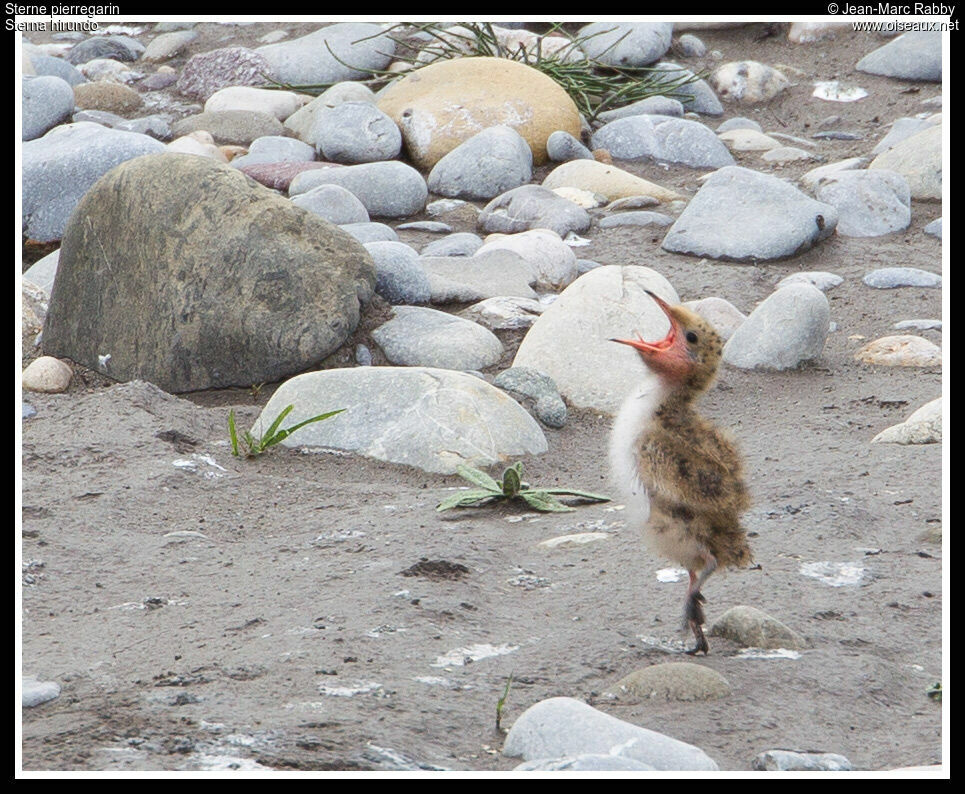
x=607 y=180
x=903 y=350
x=102 y=95
x=752 y=628
x=745 y=140
x=444 y=104
x=919 y=160
x=47 y=374
x=924 y=426
x=673 y=681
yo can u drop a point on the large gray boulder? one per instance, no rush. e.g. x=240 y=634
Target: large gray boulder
x=182 y=271
x=47 y=101
x=914 y=56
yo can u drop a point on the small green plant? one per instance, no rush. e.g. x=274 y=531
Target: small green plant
x=502 y=702
x=935 y=691
x=512 y=487
x=257 y=444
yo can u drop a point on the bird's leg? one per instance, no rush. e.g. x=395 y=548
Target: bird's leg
x=694 y=612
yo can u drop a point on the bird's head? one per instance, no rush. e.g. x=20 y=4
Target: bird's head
x=688 y=356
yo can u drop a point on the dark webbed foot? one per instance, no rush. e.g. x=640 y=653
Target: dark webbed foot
x=694 y=614
x=702 y=646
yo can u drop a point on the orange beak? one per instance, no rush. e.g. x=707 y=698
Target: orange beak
x=668 y=356
x=655 y=348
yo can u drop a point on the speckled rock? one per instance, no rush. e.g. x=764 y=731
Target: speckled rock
x=239 y=127
x=399 y=275
x=916 y=55
x=46 y=102
x=112 y=97
x=533 y=207
x=488 y=164
x=47 y=374
x=355 y=132
x=333 y=203
x=752 y=628
x=537 y=386
x=504 y=312
x=683 y=681
x=924 y=426
x=210 y=71
x=903 y=350
x=748 y=82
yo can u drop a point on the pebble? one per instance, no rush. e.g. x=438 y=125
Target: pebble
x=46 y=65
x=918 y=159
x=159 y=80
x=458 y=244
x=561 y=147
x=305 y=120
x=681 y=681
x=891 y=277
x=35 y=692
x=584 y=763
x=869 y=203
x=363 y=356
x=816 y=278
x=388 y=189
x=796 y=761
x=432 y=419
x=651 y=106
x=46 y=102
x=47 y=374
x=751 y=628
x=210 y=71
x=641 y=218
x=43 y=271
x=399 y=276
x=901 y=351
x=421 y=337
x=802 y=314
x=355 y=132
x=723 y=315
x=468 y=279
x=156 y=125
x=663 y=139
x=112 y=97
x=552 y=261
x=339 y=52
x=278 y=176
x=813 y=178
x=695 y=95
x=748 y=82
x=742 y=215
x=739 y=123
x=275 y=149
x=607 y=180
x=934 y=228
x=27 y=411
x=199 y=143
x=632 y=203
x=280 y=104
x=528 y=382
x=167 y=45
x=569 y=342
x=837 y=135
x=238 y=127
x=60 y=167
x=802 y=32
x=504 y=312
x=924 y=426
x=333 y=203
x=487 y=165
x=626 y=44
x=913 y=56
x=562 y=727
x=786 y=154
x=745 y=139
x=689 y=46
x=534 y=207
x=370 y=232
x=904 y=325
x=119 y=48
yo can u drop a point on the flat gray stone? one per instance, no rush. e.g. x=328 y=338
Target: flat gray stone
x=56 y=67
x=891 y=277
x=533 y=207
x=399 y=275
x=333 y=203
x=651 y=106
x=458 y=244
x=784 y=331
x=817 y=278
x=626 y=43
x=468 y=279
x=488 y=164
x=565 y=727
x=504 y=312
x=388 y=190
x=934 y=228
x=60 y=167
x=561 y=147
x=739 y=123
x=584 y=763
x=869 y=203
x=432 y=419
x=744 y=216
x=695 y=95
x=237 y=127
x=639 y=218
x=552 y=260
x=370 y=232
x=794 y=761
x=36 y=692
x=904 y=325
x=118 y=48
x=433 y=227
x=752 y=628
x=663 y=139
x=47 y=101
x=723 y=315
x=916 y=55
x=167 y=45
x=420 y=337
x=539 y=387
x=275 y=149
x=344 y=51
x=901 y=129
x=355 y=132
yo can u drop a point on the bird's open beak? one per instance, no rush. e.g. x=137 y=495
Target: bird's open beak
x=661 y=345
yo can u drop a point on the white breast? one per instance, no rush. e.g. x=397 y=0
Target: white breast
x=629 y=428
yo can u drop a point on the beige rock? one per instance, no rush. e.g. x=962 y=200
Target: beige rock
x=752 y=628
x=47 y=374
x=722 y=314
x=582 y=198
x=231 y=151
x=744 y=140
x=607 y=180
x=813 y=178
x=552 y=260
x=200 y=143
x=103 y=95
x=903 y=350
x=748 y=82
x=786 y=154
x=673 y=681
x=26 y=65
x=444 y=104
x=280 y=104
x=807 y=32
x=919 y=160
x=924 y=426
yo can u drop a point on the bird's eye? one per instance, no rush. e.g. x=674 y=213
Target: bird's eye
x=691 y=337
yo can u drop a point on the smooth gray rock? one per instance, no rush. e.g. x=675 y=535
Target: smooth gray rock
x=488 y=164
x=723 y=315
x=118 y=48
x=458 y=244
x=924 y=426
x=696 y=95
x=504 y=312
x=891 y=277
x=208 y=72
x=584 y=763
x=651 y=106
x=934 y=228
x=303 y=122
x=869 y=203
x=370 y=232
x=784 y=331
x=60 y=167
x=903 y=325
x=561 y=147
x=565 y=727
x=238 y=127
x=913 y=56
x=47 y=101
x=689 y=46
x=399 y=276
x=639 y=218
x=794 y=761
x=344 y=51
x=35 y=692
x=467 y=279
x=901 y=129
x=663 y=139
x=333 y=203
x=626 y=43
x=216 y=281
x=275 y=149
x=539 y=387
x=551 y=259
x=432 y=419
x=739 y=123
x=388 y=190
x=56 y=67
x=752 y=628
x=533 y=207
x=167 y=45
x=433 y=227
x=420 y=337
x=818 y=278
x=586 y=265
x=43 y=271
x=743 y=215
x=355 y=132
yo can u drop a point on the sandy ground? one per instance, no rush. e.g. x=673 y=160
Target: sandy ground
x=288 y=580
